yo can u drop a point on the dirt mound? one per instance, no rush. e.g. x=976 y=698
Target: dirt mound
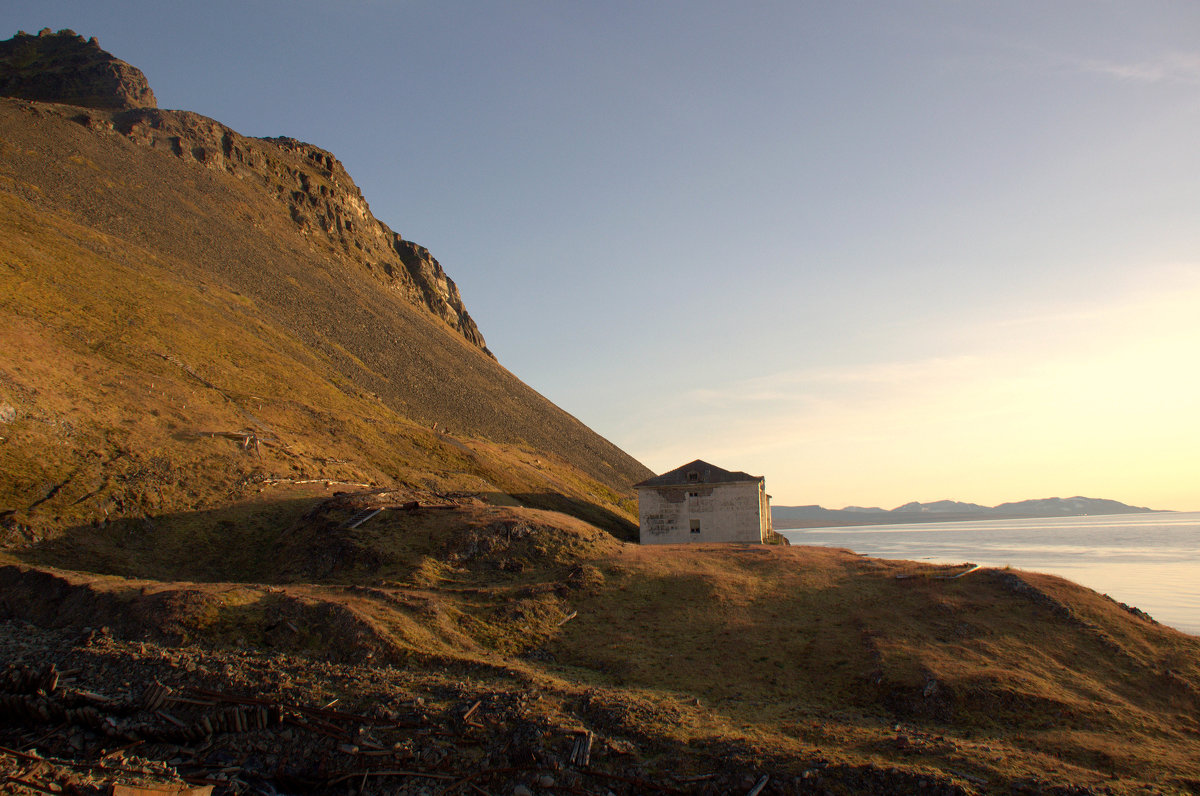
x=514 y=540
x=399 y=536
x=178 y=614
x=53 y=599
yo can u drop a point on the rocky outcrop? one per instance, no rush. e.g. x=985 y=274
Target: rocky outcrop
x=63 y=67
x=321 y=198
x=319 y=194
x=437 y=290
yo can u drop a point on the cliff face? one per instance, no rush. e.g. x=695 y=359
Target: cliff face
x=321 y=197
x=319 y=194
x=63 y=67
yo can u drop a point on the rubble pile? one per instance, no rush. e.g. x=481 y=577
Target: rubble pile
x=84 y=712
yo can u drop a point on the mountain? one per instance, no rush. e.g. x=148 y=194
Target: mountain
x=1055 y=507
x=273 y=520
x=194 y=316
x=946 y=511
x=939 y=507
x=61 y=67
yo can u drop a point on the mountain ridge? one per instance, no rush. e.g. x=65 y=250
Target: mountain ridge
x=948 y=511
x=323 y=200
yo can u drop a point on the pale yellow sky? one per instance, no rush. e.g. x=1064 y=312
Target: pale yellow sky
x=1100 y=400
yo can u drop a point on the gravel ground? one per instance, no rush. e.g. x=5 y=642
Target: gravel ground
x=84 y=712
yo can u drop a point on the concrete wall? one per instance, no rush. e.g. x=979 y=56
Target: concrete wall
x=722 y=512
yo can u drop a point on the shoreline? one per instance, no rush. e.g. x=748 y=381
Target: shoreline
x=1138 y=559
x=939 y=519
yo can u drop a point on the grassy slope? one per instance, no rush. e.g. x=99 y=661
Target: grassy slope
x=697 y=654
x=1026 y=673
x=148 y=301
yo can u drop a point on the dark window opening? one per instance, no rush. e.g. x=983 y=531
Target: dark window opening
x=695 y=526
x=693 y=477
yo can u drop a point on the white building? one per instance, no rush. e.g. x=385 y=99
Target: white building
x=700 y=502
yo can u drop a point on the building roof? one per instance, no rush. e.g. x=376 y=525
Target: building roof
x=705 y=474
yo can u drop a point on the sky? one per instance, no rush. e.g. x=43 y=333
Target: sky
x=876 y=252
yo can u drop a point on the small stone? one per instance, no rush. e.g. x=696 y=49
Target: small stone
x=522 y=790
x=546 y=781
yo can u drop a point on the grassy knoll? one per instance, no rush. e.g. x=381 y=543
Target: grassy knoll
x=698 y=657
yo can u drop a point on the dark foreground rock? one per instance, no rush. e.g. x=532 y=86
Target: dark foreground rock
x=87 y=713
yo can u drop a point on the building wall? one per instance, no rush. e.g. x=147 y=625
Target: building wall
x=764 y=513
x=720 y=512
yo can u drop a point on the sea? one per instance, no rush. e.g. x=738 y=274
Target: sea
x=1150 y=561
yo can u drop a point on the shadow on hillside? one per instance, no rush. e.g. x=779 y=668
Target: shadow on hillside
x=616 y=524
x=235 y=543
x=295 y=539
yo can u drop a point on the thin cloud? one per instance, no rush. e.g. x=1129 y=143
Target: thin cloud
x=804 y=385
x=1177 y=67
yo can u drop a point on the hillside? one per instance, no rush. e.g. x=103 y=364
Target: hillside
x=471 y=643
x=274 y=520
x=166 y=280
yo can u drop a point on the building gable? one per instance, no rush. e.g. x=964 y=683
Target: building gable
x=697 y=472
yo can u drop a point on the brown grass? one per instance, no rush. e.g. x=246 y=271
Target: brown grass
x=801 y=653
x=148 y=302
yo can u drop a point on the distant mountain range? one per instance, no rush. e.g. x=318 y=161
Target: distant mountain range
x=946 y=511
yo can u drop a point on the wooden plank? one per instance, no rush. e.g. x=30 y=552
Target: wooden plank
x=162 y=790
x=359 y=518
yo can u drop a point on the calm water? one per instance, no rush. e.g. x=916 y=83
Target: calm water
x=1151 y=561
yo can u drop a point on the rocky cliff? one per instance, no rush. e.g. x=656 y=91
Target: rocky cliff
x=63 y=67
x=320 y=196
x=191 y=315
